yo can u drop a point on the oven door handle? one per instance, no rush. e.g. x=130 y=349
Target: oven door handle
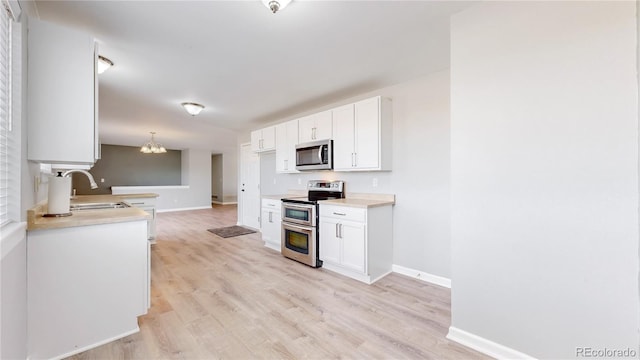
x=305 y=228
x=304 y=207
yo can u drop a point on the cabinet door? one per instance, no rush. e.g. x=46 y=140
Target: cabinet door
x=353 y=245
x=329 y=241
x=307 y=130
x=256 y=140
x=282 y=153
x=286 y=141
x=292 y=141
x=343 y=135
x=367 y=134
x=323 y=129
x=270 y=227
x=269 y=138
x=61 y=92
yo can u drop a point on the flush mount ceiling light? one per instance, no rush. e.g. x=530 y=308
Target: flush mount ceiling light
x=152 y=147
x=275 y=5
x=103 y=64
x=192 y=108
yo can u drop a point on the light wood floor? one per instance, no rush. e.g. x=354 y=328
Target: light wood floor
x=235 y=299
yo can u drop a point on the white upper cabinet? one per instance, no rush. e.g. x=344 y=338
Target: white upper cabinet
x=362 y=136
x=286 y=141
x=315 y=127
x=62 y=91
x=263 y=139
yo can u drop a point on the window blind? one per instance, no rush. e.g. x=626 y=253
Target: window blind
x=8 y=146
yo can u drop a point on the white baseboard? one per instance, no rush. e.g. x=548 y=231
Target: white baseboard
x=184 y=209
x=420 y=275
x=99 y=343
x=224 y=203
x=485 y=346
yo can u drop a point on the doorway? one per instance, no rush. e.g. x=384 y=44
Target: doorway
x=217 y=176
x=249 y=209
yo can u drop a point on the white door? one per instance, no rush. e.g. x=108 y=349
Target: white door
x=249 y=187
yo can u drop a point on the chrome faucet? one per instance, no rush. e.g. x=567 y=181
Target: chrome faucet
x=91 y=180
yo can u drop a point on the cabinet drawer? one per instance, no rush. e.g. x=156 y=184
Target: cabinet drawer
x=343 y=212
x=140 y=202
x=271 y=204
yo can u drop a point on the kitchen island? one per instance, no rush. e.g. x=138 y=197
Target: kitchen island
x=88 y=277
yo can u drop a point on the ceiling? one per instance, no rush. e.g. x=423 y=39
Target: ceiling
x=246 y=65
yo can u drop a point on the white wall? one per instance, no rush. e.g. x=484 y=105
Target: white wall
x=419 y=178
x=13 y=294
x=544 y=166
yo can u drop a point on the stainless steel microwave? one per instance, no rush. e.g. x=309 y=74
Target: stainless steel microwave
x=316 y=155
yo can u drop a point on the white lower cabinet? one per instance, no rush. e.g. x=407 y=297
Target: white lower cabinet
x=357 y=242
x=270 y=227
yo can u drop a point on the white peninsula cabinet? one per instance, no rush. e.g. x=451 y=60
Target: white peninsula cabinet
x=62 y=91
x=263 y=139
x=315 y=127
x=87 y=286
x=286 y=141
x=357 y=241
x=271 y=220
x=362 y=134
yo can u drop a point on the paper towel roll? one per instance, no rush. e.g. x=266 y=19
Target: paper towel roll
x=59 y=195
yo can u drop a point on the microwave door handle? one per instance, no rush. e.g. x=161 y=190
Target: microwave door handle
x=320 y=153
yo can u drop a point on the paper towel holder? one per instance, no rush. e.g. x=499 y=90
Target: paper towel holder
x=60 y=175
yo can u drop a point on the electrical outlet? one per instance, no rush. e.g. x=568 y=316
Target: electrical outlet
x=375 y=182
x=101 y=180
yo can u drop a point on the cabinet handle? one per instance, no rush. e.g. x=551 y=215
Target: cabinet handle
x=270 y=217
x=341 y=214
x=137 y=203
x=337 y=234
x=353 y=159
x=286 y=164
x=313 y=133
x=340 y=230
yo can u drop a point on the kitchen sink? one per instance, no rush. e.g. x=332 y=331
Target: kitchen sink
x=99 y=206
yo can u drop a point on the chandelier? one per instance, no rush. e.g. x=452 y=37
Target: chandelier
x=152 y=147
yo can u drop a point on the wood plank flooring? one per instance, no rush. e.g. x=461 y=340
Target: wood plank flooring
x=215 y=298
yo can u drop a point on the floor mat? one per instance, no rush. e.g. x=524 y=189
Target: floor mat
x=231 y=231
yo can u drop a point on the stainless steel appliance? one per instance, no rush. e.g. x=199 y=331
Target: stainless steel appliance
x=300 y=232
x=316 y=155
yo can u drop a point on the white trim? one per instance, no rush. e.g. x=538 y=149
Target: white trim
x=99 y=343
x=224 y=203
x=420 y=275
x=126 y=188
x=184 y=209
x=485 y=346
x=12 y=234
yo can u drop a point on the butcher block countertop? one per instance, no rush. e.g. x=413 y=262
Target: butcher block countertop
x=36 y=221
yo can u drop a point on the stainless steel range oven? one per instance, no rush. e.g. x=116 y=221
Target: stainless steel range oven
x=300 y=219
